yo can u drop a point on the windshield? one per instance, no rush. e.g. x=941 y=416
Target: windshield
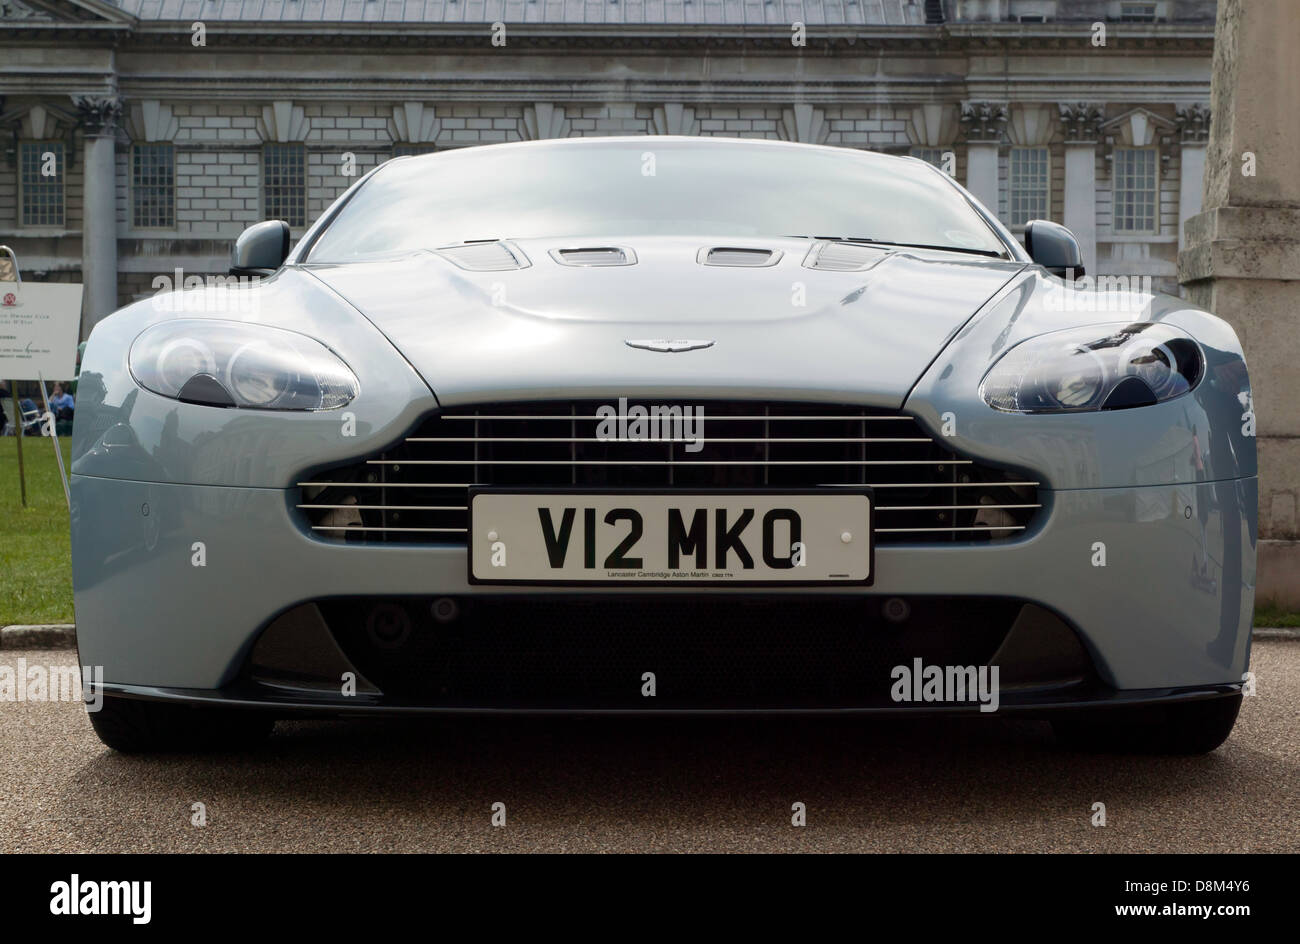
x=651 y=186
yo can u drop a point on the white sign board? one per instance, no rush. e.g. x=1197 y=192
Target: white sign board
x=39 y=326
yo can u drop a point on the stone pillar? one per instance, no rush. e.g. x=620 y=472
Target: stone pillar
x=1080 y=211
x=984 y=124
x=803 y=122
x=675 y=118
x=1242 y=259
x=1194 y=129
x=1082 y=123
x=543 y=120
x=982 y=173
x=98 y=117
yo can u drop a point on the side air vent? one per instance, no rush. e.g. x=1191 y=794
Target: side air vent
x=493 y=256
x=594 y=256
x=843 y=257
x=729 y=256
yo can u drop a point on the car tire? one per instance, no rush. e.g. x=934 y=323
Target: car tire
x=1194 y=727
x=137 y=726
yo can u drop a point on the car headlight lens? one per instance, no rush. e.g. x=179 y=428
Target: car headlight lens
x=1100 y=367
x=232 y=364
x=255 y=377
x=181 y=358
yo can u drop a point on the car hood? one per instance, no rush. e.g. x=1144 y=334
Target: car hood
x=782 y=330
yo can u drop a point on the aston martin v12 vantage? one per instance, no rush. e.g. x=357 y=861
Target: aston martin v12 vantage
x=664 y=425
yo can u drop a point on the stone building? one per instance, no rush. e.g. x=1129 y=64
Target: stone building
x=140 y=136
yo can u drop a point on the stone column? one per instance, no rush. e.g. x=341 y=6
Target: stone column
x=543 y=120
x=803 y=122
x=1194 y=129
x=982 y=173
x=984 y=124
x=1082 y=123
x=1243 y=252
x=98 y=116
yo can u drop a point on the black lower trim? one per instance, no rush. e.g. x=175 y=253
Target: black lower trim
x=252 y=696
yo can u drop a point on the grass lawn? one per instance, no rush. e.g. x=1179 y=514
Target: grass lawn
x=1269 y=615
x=35 y=570
x=35 y=567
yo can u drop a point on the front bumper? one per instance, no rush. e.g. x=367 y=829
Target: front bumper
x=1025 y=706
x=174 y=584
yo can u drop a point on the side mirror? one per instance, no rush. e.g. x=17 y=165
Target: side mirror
x=1054 y=248
x=260 y=249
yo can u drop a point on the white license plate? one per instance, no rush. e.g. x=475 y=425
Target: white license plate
x=670 y=538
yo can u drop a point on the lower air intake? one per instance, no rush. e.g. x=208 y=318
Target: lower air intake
x=705 y=651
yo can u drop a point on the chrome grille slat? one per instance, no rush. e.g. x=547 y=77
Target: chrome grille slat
x=392 y=507
x=528 y=416
x=580 y=439
x=924 y=491
x=679 y=463
x=982 y=527
x=361 y=527
x=573 y=447
x=949 y=507
x=928 y=485
x=814 y=485
x=323 y=484
x=767 y=439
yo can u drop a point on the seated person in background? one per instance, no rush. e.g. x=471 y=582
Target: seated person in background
x=30 y=414
x=61 y=402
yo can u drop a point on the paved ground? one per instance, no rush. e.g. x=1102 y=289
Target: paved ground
x=916 y=785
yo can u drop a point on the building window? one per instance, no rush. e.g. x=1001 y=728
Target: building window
x=931 y=155
x=407 y=150
x=284 y=183
x=1136 y=192
x=1029 y=184
x=41 y=194
x=153 y=186
x=1137 y=12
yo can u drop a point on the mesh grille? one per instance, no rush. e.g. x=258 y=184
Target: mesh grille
x=705 y=651
x=417 y=491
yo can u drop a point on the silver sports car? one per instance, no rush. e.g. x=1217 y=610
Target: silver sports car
x=664 y=425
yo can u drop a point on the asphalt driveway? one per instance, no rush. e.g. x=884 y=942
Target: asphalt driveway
x=978 y=784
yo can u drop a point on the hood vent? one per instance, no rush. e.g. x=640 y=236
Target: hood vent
x=594 y=256
x=485 y=257
x=735 y=256
x=843 y=257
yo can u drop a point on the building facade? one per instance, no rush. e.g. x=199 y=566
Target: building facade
x=140 y=137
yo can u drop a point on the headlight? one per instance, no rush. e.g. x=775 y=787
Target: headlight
x=1106 y=367
x=229 y=363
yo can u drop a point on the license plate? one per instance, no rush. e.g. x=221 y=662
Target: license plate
x=654 y=538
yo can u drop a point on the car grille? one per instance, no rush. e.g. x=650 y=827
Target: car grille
x=418 y=490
